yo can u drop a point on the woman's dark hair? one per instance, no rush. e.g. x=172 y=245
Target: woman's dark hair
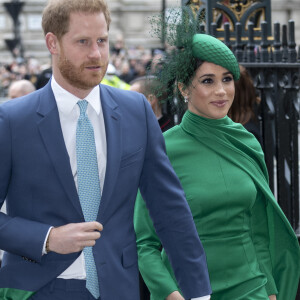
x=187 y=77
x=245 y=103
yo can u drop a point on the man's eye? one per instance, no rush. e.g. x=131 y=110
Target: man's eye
x=101 y=41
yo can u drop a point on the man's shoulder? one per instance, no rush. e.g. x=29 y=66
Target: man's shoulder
x=123 y=98
x=119 y=92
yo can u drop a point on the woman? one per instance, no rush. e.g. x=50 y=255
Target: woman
x=252 y=251
x=244 y=108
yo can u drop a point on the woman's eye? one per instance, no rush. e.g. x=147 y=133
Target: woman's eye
x=228 y=78
x=207 y=80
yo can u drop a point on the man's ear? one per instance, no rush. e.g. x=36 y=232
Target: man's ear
x=52 y=43
x=151 y=98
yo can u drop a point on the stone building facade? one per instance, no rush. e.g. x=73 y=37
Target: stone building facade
x=130 y=19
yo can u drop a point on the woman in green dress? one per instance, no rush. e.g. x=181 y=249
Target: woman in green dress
x=252 y=252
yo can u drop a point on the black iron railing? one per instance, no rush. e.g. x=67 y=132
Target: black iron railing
x=274 y=65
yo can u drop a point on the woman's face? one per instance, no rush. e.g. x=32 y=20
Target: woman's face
x=211 y=91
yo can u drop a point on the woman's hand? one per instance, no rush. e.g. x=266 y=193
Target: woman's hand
x=272 y=297
x=175 y=296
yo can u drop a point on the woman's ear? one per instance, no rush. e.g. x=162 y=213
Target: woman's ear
x=183 y=90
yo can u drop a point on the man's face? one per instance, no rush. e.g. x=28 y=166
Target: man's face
x=136 y=87
x=84 y=52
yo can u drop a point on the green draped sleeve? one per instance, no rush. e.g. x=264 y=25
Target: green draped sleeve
x=260 y=236
x=275 y=242
x=153 y=270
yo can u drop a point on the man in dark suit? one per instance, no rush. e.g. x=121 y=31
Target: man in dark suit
x=72 y=157
x=155 y=93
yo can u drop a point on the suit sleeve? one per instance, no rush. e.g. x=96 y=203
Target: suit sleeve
x=19 y=236
x=154 y=272
x=260 y=236
x=171 y=215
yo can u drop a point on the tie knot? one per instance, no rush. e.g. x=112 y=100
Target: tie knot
x=82 y=106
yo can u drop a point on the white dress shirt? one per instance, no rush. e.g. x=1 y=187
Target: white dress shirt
x=68 y=114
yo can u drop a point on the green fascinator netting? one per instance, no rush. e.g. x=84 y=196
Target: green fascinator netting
x=186 y=46
x=208 y=48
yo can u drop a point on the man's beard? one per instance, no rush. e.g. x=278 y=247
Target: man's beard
x=75 y=75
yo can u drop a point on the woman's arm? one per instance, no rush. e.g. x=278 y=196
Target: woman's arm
x=153 y=270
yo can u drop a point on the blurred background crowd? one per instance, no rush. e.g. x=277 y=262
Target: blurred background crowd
x=126 y=64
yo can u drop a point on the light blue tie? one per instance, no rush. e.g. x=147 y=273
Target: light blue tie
x=88 y=187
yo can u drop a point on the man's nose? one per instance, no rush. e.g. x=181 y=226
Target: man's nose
x=94 y=51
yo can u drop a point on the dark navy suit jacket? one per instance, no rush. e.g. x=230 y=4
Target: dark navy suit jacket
x=37 y=182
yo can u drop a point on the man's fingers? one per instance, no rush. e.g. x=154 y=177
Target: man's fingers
x=84 y=236
x=74 y=237
x=92 y=226
x=93 y=235
x=90 y=243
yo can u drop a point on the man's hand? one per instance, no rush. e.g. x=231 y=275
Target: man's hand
x=175 y=296
x=74 y=237
x=272 y=297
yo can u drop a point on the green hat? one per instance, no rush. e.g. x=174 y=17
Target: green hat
x=209 y=48
x=185 y=46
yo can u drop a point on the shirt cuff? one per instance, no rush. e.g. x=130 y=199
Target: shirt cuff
x=202 y=298
x=45 y=241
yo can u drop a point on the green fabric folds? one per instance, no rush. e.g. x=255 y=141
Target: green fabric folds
x=238 y=146
x=215 y=151
x=14 y=294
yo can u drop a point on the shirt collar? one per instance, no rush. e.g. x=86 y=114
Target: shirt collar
x=67 y=101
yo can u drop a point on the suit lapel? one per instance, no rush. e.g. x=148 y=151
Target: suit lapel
x=50 y=130
x=112 y=120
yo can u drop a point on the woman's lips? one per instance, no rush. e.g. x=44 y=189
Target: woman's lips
x=219 y=103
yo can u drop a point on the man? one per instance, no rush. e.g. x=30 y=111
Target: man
x=112 y=79
x=20 y=88
x=151 y=88
x=69 y=146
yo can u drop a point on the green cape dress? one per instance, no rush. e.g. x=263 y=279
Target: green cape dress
x=251 y=249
